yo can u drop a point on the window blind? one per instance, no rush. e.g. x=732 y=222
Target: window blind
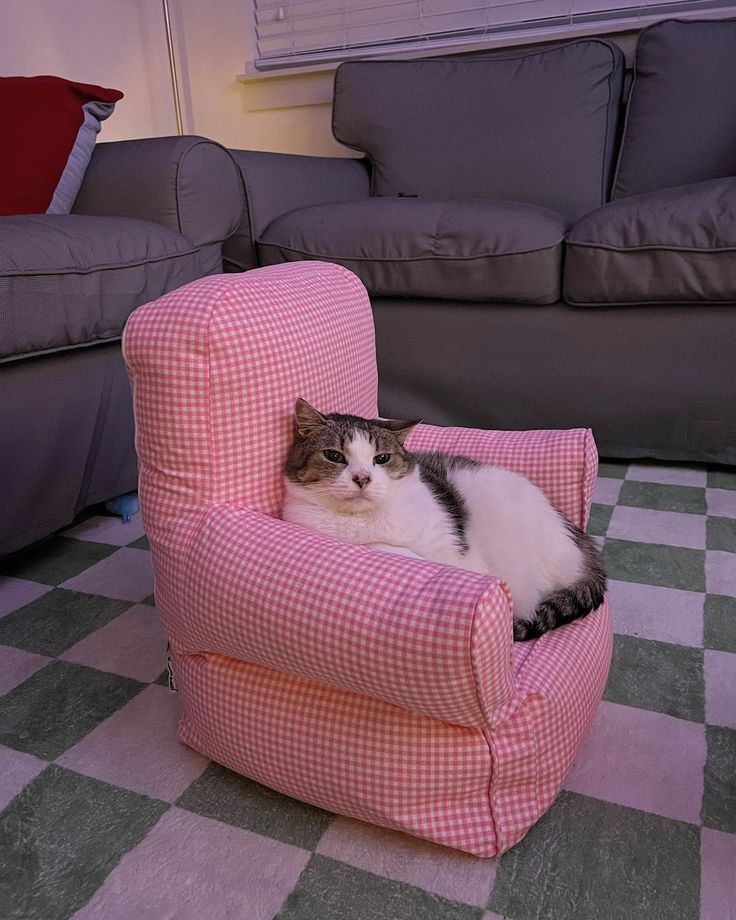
x=298 y=33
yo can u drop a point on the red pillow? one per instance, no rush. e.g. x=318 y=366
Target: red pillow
x=49 y=129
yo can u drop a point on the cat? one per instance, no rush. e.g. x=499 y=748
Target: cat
x=351 y=478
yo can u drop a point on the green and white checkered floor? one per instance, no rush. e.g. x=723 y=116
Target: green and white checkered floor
x=105 y=815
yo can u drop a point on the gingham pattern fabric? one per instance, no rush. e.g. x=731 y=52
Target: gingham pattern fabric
x=216 y=367
x=564 y=463
x=375 y=685
x=379 y=624
x=341 y=751
x=559 y=681
x=221 y=362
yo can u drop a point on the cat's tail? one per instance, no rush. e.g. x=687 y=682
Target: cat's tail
x=574 y=601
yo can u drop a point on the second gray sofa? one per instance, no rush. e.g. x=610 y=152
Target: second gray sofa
x=543 y=247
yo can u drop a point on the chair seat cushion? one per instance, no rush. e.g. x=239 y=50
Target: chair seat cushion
x=413 y=247
x=68 y=280
x=677 y=245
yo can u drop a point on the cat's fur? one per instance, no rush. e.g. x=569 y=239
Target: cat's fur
x=443 y=508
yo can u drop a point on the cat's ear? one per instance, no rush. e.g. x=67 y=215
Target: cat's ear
x=400 y=427
x=307 y=418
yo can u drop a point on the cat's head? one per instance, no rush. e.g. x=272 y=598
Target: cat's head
x=345 y=462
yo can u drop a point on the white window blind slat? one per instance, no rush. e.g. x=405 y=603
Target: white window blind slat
x=295 y=33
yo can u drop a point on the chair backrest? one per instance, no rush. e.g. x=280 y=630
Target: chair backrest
x=216 y=367
x=532 y=126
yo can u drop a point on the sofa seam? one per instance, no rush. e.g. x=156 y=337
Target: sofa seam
x=241 y=186
x=177 y=186
x=521 y=252
x=109 y=266
x=650 y=247
x=648 y=303
x=436 y=234
x=60 y=349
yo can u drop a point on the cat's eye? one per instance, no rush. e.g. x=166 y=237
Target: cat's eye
x=334 y=456
x=381 y=458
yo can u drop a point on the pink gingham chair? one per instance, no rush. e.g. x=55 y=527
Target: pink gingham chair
x=373 y=685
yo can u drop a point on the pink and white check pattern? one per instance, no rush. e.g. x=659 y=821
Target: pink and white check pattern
x=373 y=685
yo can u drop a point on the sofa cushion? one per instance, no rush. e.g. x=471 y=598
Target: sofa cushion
x=681 y=119
x=535 y=126
x=69 y=280
x=404 y=247
x=673 y=246
x=51 y=125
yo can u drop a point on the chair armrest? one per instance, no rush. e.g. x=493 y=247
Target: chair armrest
x=276 y=183
x=188 y=184
x=562 y=462
x=429 y=638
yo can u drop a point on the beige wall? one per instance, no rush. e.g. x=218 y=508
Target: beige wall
x=108 y=42
x=121 y=43
x=215 y=48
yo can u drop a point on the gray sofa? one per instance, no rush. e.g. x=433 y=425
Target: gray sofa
x=151 y=215
x=548 y=240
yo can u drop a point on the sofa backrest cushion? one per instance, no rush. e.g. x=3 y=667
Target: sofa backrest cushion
x=537 y=127
x=681 y=118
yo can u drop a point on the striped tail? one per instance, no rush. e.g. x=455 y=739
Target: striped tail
x=571 y=602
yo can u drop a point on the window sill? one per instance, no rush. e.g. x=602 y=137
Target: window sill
x=285 y=89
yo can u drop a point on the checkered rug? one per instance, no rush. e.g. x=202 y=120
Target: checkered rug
x=105 y=815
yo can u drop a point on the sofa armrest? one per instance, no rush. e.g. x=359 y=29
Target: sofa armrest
x=562 y=462
x=188 y=184
x=428 y=638
x=276 y=183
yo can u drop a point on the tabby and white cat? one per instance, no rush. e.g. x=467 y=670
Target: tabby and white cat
x=352 y=478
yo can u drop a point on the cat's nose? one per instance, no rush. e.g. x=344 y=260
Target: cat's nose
x=361 y=481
